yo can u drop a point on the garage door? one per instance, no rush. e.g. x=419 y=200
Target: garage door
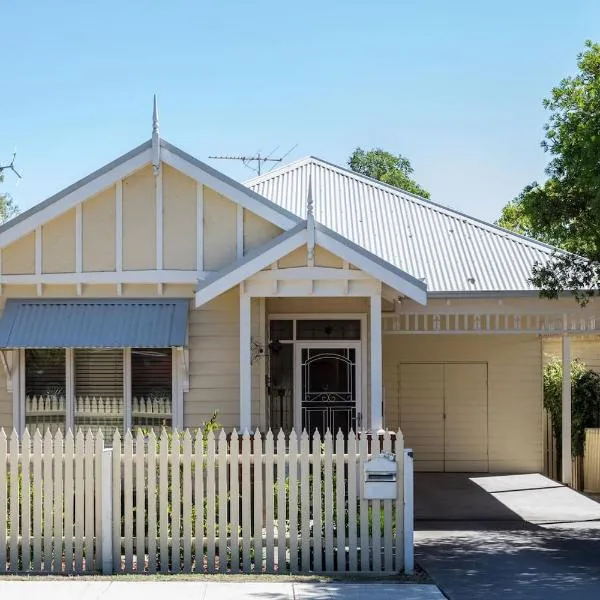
x=443 y=415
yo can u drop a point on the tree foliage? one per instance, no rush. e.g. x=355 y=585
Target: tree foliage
x=8 y=207
x=585 y=400
x=386 y=167
x=565 y=210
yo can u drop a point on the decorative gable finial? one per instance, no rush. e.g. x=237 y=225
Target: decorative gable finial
x=155 y=138
x=310 y=225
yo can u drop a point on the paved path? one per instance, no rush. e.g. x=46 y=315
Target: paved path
x=185 y=590
x=533 y=539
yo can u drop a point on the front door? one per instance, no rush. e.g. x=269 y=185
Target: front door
x=327 y=385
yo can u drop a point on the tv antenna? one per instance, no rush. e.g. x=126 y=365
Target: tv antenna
x=257 y=158
x=10 y=166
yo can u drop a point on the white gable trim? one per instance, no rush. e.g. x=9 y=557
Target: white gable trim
x=379 y=269
x=75 y=194
x=242 y=269
x=236 y=192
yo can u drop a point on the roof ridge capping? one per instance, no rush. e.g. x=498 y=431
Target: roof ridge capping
x=425 y=202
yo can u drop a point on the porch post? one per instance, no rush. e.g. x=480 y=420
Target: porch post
x=245 y=366
x=376 y=367
x=567 y=464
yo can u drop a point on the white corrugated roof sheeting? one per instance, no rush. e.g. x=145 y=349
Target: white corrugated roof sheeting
x=448 y=250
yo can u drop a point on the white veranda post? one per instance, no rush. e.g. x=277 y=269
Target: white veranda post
x=376 y=366
x=245 y=366
x=566 y=411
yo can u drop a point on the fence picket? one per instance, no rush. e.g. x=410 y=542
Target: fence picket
x=246 y=503
x=364 y=508
x=388 y=536
x=187 y=502
x=269 y=504
x=317 y=504
x=79 y=501
x=281 y=505
x=258 y=502
x=234 y=485
x=89 y=502
x=99 y=449
x=399 y=504
x=329 y=501
x=293 y=499
x=57 y=555
x=69 y=495
x=163 y=505
x=190 y=503
x=26 y=504
x=128 y=501
x=340 y=500
x=48 y=501
x=140 y=502
x=175 y=503
x=305 y=502
x=222 y=502
x=199 y=502
x=116 y=534
x=376 y=517
x=14 y=502
x=152 y=532
x=210 y=502
x=352 y=521
x=37 y=501
x=3 y=500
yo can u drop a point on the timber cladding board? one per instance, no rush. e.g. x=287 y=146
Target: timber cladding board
x=99 y=231
x=220 y=226
x=139 y=221
x=19 y=257
x=215 y=363
x=58 y=244
x=257 y=230
x=514 y=389
x=179 y=220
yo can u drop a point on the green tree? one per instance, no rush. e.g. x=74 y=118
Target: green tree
x=565 y=210
x=386 y=167
x=8 y=208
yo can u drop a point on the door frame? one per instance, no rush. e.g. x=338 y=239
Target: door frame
x=363 y=349
x=341 y=344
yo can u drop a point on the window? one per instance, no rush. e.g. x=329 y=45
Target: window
x=151 y=387
x=98 y=383
x=45 y=390
x=99 y=400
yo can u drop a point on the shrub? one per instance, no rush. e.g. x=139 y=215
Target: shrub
x=585 y=400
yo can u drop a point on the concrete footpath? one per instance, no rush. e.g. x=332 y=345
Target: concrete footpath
x=202 y=590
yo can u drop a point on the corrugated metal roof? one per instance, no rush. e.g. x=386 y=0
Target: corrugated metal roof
x=448 y=250
x=80 y=323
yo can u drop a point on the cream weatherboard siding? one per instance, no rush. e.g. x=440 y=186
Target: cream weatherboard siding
x=514 y=390
x=586 y=349
x=19 y=257
x=215 y=363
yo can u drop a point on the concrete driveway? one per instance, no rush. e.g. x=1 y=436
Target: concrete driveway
x=519 y=536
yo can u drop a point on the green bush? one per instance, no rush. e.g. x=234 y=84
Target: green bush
x=585 y=400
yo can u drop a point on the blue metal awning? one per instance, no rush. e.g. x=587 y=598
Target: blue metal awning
x=79 y=323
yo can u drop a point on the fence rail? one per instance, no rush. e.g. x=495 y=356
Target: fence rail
x=193 y=502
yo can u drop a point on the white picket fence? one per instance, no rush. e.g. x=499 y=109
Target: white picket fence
x=193 y=503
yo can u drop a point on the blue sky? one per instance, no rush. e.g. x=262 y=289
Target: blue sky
x=456 y=87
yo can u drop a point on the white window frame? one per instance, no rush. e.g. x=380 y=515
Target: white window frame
x=177 y=387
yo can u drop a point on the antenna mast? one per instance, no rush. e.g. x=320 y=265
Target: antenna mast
x=248 y=160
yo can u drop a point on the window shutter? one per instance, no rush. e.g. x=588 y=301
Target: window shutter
x=99 y=390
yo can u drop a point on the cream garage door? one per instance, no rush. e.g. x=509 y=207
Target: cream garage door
x=443 y=415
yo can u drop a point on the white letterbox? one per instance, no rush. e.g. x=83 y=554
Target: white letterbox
x=380 y=478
